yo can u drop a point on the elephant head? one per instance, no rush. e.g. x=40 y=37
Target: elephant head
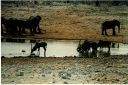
x=117 y=23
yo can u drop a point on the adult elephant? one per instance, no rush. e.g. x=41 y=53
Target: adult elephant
x=110 y=25
x=86 y=45
x=22 y=25
x=37 y=46
x=11 y=25
x=33 y=24
x=103 y=44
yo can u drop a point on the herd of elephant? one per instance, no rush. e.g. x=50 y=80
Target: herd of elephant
x=82 y=48
x=18 y=26
x=87 y=45
x=13 y=25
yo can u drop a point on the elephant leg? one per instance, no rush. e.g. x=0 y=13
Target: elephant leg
x=34 y=29
x=39 y=51
x=87 y=53
x=6 y=28
x=31 y=31
x=106 y=32
x=15 y=29
x=102 y=31
x=108 y=48
x=19 y=32
x=94 y=52
x=114 y=33
x=12 y=30
x=44 y=51
x=23 y=30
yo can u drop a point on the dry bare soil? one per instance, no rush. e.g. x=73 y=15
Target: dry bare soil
x=108 y=70
x=72 y=22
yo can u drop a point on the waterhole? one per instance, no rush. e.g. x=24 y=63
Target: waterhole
x=55 y=48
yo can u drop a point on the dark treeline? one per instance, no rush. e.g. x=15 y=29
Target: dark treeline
x=74 y=2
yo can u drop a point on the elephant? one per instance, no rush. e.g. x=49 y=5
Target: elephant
x=38 y=45
x=33 y=23
x=110 y=25
x=86 y=45
x=18 y=26
x=11 y=25
x=102 y=44
x=22 y=24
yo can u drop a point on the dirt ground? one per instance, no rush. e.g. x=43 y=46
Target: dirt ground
x=108 y=70
x=71 y=22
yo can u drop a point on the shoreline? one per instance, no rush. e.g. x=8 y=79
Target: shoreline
x=105 y=38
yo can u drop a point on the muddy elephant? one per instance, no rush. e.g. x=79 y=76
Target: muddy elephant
x=110 y=25
x=33 y=24
x=103 y=44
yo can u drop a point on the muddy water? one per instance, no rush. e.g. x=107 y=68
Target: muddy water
x=55 y=48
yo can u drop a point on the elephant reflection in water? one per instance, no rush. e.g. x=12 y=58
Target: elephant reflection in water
x=85 y=47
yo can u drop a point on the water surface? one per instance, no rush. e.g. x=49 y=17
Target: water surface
x=55 y=48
